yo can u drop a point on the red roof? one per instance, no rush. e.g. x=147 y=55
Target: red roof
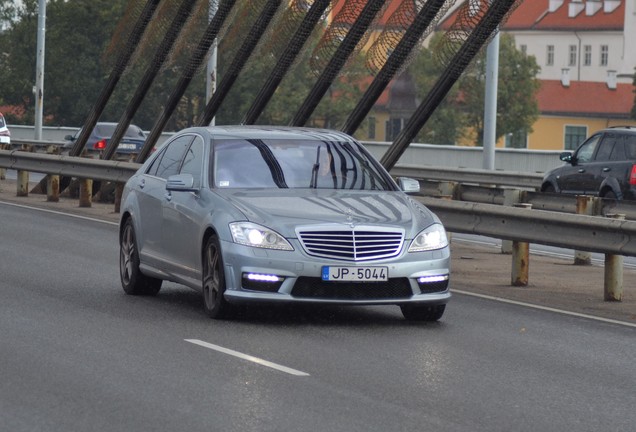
x=535 y=15
x=559 y=19
x=355 y=8
x=585 y=99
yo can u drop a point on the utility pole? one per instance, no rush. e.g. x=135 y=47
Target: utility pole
x=38 y=89
x=211 y=78
x=490 y=103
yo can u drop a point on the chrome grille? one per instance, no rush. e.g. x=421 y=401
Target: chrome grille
x=357 y=244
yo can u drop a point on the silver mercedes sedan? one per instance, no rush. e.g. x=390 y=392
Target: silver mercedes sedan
x=249 y=214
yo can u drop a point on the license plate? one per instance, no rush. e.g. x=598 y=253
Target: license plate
x=355 y=274
x=127 y=146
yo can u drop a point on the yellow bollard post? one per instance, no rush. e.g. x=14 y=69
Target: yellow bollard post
x=53 y=188
x=85 y=192
x=520 y=258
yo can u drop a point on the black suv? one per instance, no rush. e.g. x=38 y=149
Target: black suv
x=604 y=165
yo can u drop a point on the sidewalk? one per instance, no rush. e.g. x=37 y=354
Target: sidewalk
x=553 y=282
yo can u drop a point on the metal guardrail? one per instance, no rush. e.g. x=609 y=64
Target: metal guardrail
x=38 y=144
x=70 y=166
x=475 y=176
x=589 y=233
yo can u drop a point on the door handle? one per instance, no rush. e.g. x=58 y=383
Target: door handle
x=607 y=169
x=581 y=170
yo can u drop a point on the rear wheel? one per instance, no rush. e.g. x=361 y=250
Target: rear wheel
x=214 y=301
x=423 y=312
x=132 y=280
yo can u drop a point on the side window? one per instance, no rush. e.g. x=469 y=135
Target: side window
x=172 y=156
x=586 y=151
x=193 y=161
x=605 y=148
x=152 y=169
x=618 y=154
x=630 y=146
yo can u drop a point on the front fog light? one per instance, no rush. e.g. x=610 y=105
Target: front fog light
x=262 y=282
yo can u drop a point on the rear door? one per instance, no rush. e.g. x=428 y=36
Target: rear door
x=152 y=187
x=604 y=164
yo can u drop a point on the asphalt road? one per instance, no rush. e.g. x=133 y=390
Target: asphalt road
x=77 y=354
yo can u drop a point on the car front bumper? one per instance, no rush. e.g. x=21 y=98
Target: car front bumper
x=294 y=276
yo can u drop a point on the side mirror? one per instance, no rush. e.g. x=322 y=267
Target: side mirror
x=181 y=183
x=408 y=185
x=566 y=157
x=69 y=138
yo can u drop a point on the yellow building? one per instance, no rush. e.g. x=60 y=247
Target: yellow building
x=571 y=111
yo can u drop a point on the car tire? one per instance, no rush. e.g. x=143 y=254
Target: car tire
x=549 y=189
x=428 y=313
x=133 y=281
x=214 y=301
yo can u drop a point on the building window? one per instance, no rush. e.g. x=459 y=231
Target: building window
x=572 y=55
x=393 y=128
x=371 y=131
x=549 y=61
x=574 y=135
x=587 y=55
x=604 y=54
x=518 y=139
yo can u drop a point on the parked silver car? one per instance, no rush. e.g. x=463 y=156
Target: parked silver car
x=274 y=214
x=5 y=134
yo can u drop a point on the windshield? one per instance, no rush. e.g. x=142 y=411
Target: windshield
x=294 y=164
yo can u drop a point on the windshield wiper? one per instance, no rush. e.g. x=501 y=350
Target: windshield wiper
x=314 y=171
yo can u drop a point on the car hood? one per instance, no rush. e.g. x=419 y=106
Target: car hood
x=285 y=209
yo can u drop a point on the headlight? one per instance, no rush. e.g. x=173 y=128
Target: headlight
x=433 y=237
x=250 y=234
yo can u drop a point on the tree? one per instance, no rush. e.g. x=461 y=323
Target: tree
x=82 y=41
x=461 y=113
x=517 y=87
x=76 y=33
x=446 y=124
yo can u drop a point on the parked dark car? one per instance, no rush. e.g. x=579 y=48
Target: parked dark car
x=282 y=215
x=131 y=144
x=603 y=165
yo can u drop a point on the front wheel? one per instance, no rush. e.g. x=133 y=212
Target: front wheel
x=214 y=301
x=428 y=313
x=133 y=281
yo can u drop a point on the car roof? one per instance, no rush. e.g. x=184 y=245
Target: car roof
x=270 y=132
x=628 y=129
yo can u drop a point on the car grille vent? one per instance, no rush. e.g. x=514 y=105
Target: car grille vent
x=358 y=244
x=316 y=288
x=433 y=287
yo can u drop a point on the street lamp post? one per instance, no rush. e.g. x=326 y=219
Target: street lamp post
x=38 y=89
